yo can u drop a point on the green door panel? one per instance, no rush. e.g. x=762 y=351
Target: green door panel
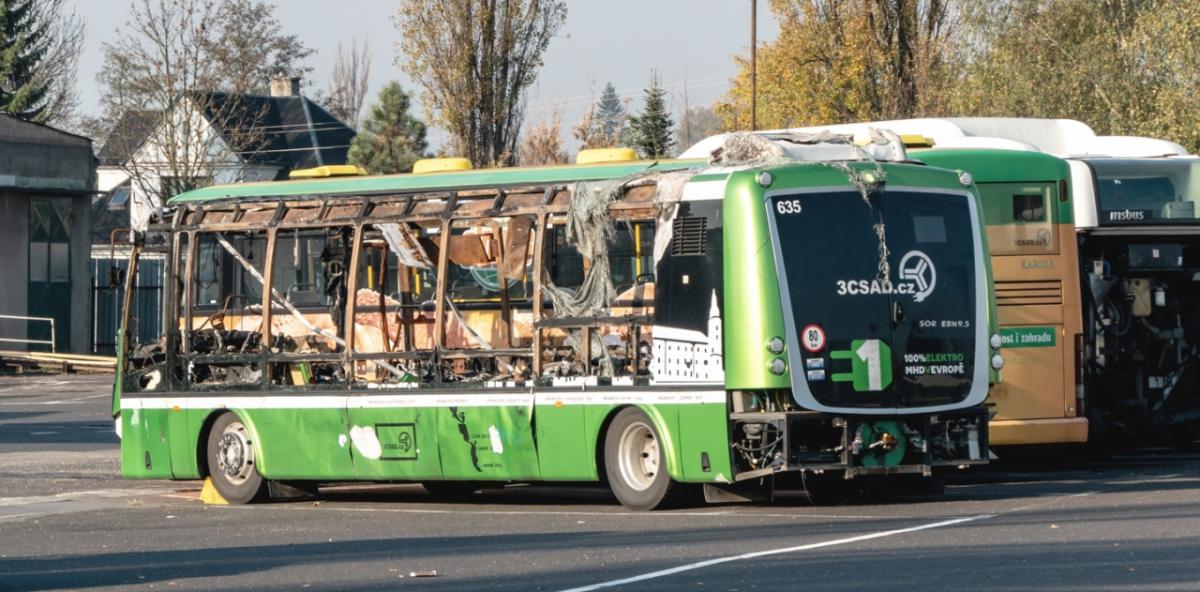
x=565 y=452
x=144 y=450
x=487 y=443
x=184 y=451
x=407 y=443
x=704 y=429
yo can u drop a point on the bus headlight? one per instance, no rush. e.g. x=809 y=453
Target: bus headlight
x=997 y=361
x=996 y=341
x=778 y=366
x=775 y=345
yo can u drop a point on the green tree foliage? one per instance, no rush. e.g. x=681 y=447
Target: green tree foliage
x=474 y=60
x=847 y=60
x=650 y=132
x=1125 y=67
x=40 y=44
x=606 y=122
x=391 y=139
x=610 y=112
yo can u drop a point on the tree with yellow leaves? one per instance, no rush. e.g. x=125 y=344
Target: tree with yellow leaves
x=847 y=60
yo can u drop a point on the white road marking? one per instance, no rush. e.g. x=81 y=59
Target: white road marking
x=42 y=433
x=75 y=401
x=719 y=560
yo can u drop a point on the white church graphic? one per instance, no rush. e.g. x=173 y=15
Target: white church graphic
x=685 y=356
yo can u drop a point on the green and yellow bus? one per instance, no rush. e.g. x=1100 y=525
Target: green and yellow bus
x=789 y=307
x=1035 y=260
x=1094 y=248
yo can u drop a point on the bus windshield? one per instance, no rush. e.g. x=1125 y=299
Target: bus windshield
x=1146 y=191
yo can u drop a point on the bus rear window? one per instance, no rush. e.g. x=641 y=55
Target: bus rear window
x=1146 y=191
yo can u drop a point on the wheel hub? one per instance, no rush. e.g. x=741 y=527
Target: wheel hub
x=638 y=456
x=235 y=454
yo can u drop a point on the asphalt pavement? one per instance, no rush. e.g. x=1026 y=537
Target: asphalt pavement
x=67 y=521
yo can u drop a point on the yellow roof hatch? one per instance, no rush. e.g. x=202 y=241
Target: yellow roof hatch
x=601 y=155
x=329 y=170
x=441 y=165
x=916 y=141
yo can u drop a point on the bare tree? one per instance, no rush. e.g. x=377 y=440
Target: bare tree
x=348 y=84
x=250 y=47
x=542 y=143
x=475 y=59
x=160 y=66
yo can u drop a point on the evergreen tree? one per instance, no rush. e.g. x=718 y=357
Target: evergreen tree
x=23 y=48
x=610 y=112
x=391 y=139
x=650 y=132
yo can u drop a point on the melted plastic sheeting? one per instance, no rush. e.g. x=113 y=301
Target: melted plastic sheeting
x=401 y=241
x=747 y=149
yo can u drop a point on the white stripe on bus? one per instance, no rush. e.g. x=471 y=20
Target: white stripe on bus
x=429 y=400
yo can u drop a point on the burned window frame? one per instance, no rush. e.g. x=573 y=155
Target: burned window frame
x=446 y=210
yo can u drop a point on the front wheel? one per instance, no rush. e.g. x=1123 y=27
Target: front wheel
x=634 y=461
x=231 y=461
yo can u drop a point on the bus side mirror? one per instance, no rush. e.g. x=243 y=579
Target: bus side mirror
x=428 y=306
x=116 y=276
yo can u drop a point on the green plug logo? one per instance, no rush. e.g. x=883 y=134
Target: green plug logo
x=870 y=365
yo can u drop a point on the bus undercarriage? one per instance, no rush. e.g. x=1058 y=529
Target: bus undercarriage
x=770 y=437
x=1141 y=337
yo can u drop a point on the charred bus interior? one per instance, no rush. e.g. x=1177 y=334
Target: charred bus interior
x=1141 y=276
x=402 y=291
x=1142 y=337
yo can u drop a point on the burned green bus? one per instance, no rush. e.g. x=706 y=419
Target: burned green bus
x=800 y=308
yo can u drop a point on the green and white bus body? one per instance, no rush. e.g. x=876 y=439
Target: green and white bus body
x=796 y=326
x=1134 y=266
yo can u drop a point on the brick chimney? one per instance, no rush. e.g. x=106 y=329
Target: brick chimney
x=283 y=85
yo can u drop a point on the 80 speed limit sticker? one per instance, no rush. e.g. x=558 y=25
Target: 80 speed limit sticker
x=812 y=338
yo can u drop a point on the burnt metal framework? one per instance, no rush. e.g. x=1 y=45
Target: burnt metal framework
x=545 y=204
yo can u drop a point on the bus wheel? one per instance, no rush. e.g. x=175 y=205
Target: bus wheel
x=634 y=461
x=231 y=461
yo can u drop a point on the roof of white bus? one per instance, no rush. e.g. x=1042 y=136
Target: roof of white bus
x=1060 y=137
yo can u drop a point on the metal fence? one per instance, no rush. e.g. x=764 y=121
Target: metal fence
x=49 y=342
x=108 y=296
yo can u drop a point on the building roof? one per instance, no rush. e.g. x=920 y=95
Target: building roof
x=293 y=132
x=130 y=131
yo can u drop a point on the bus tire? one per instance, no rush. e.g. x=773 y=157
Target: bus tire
x=634 y=461
x=230 y=455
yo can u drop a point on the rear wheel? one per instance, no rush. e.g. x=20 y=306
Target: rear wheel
x=634 y=461
x=231 y=461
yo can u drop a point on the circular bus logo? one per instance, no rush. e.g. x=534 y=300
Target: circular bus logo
x=918 y=268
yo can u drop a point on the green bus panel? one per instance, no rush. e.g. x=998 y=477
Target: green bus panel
x=144 y=444
x=487 y=443
x=704 y=430
x=567 y=450
x=408 y=443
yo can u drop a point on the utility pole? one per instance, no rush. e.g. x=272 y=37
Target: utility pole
x=753 y=65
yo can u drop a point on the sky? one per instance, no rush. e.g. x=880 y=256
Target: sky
x=618 y=41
